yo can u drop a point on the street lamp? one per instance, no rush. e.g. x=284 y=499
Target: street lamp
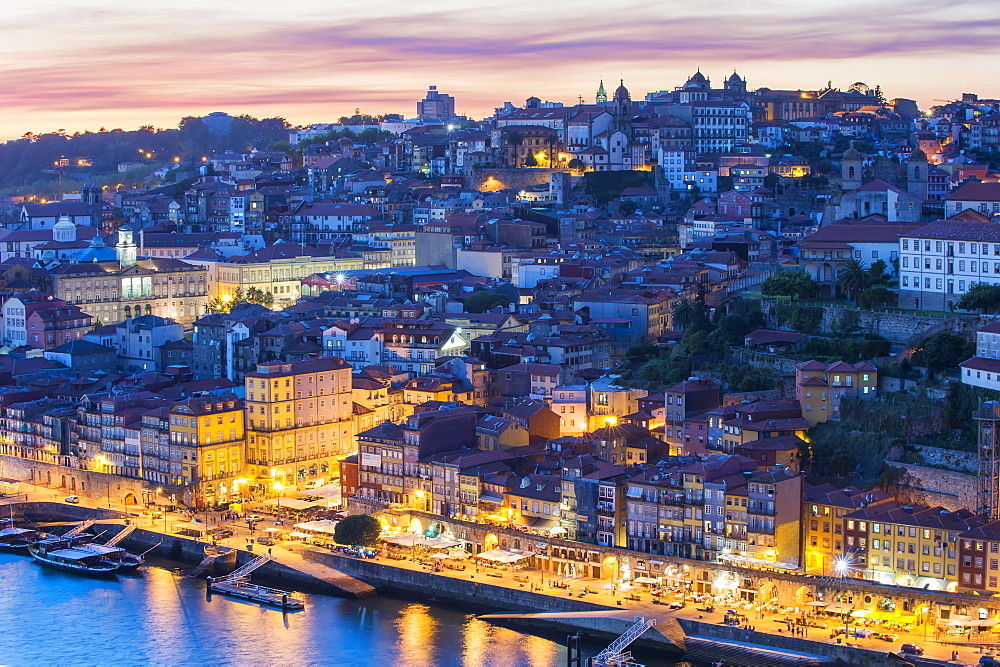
x=277 y=488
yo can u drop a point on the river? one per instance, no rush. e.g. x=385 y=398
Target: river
x=161 y=616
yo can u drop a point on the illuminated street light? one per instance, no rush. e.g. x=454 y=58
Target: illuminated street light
x=842 y=565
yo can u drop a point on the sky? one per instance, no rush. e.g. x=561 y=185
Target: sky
x=87 y=64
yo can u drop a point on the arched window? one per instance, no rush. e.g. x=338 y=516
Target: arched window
x=850 y=172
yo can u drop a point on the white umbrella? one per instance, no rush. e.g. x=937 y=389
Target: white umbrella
x=272 y=530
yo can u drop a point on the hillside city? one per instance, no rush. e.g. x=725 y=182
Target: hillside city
x=709 y=323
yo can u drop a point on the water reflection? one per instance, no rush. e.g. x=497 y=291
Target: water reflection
x=160 y=617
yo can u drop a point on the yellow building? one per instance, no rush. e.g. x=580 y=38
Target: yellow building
x=909 y=546
x=278 y=269
x=823 y=511
x=820 y=387
x=207 y=436
x=299 y=420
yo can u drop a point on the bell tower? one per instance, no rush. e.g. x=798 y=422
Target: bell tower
x=126 y=248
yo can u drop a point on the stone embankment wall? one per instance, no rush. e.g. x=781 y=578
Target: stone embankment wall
x=700 y=644
x=933 y=486
x=508 y=178
x=65 y=480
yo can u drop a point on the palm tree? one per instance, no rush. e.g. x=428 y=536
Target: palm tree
x=682 y=313
x=854 y=278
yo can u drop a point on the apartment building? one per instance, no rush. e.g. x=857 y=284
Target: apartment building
x=821 y=387
x=206 y=433
x=299 y=419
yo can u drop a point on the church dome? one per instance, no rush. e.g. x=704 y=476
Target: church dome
x=697 y=77
x=735 y=78
x=97 y=252
x=621 y=93
x=852 y=154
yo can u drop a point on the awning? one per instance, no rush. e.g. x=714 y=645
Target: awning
x=490 y=498
x=817 y=603
x=838 y=608
x=324 y=526
x=984 y=623
x=861 y=613
x=405 y=540
x=192 y=527
x=292 y=503
x=644 y=580
x=505 y=555
x=440 y=543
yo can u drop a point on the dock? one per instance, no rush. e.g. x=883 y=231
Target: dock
x=262 y=594
x=238 y=585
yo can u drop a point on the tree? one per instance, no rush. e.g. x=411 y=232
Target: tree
x=483 y=300
x=805 y=319
x=576 y=163
x=682 y=313
x=530 y=161
x=357 y=530
x=983 y=297
x=876 y=296
x=796 y=284
x=854 y=279
x=943 y=350
x=262 y=297
x=878 y=272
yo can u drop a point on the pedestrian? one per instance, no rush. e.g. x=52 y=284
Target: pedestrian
x=269 y=551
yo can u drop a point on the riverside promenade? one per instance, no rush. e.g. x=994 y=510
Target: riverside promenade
x=533 y=591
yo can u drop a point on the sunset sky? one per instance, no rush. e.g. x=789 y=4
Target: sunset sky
x=84 y=64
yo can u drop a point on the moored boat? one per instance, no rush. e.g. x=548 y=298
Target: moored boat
x=13 y=538
x=126 y=561
x=72 y=558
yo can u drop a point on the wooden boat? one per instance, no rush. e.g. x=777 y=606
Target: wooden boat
x=13 y=538
x=126 y=561
x=74 y=559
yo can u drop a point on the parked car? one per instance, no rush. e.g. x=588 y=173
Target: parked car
x=676 y=605
x=911 y=648
x=222 y=534
x=75 y=500
x=266 y=540
x=253 y=517
x=988 y=660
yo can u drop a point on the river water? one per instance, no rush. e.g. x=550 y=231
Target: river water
x=161 y=616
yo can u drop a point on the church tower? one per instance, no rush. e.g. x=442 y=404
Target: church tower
x=851 y=169
x=916 y=174
x=126 y=248
x=602 y=95
x=623 y=108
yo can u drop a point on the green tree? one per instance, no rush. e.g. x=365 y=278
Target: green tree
x=854 y=279
x=530 y=161
x=357 y=530
x=878 y=272
x=876 y=297
x=259 y=296
x=483 y=300
x=682 y=313
x=805 y=319
x=983 y=297
x=576 y=164
x=796 y=284
x=943 y=350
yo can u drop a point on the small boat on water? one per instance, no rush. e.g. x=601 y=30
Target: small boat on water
x=13 y=538
x=127 y=562
x=74 y=559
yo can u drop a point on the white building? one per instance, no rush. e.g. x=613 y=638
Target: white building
x=983 y=370
x=940 y=261
x=980 y=197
